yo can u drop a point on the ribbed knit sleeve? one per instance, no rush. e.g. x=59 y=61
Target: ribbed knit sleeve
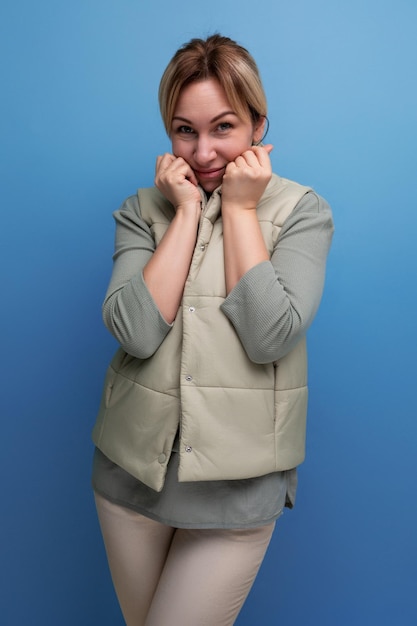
x=129 y=311
x=274 y=303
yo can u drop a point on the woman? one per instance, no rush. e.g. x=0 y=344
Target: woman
x=218 y=272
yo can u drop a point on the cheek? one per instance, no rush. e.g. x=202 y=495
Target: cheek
x=180 y=148
x=238 y=146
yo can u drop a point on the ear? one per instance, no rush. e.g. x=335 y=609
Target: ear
x=259 y=130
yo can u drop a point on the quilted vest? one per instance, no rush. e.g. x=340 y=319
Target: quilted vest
x=236 y=419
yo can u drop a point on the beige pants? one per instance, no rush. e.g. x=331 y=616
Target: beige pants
x=174 y=577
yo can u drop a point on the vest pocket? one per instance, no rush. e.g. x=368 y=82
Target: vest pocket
x=290 y=427
x=108 y=386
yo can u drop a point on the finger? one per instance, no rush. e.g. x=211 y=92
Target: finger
x=242 y=159
x=262 y=153
x=268 y=147
x=263 y=146
x=182 y=167
x=249 y=159
x=163 y=161
x=262 y=149
x=158 y=163
x=192 y=177
x=230 y=167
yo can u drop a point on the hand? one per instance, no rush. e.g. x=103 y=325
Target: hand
x=246 y=178
x=176 y=181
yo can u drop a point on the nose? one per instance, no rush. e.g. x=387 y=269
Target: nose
x=204 y=151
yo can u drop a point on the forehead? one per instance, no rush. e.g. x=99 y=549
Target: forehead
x=202 y=98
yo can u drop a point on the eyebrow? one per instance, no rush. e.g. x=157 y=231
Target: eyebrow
x=217 y=117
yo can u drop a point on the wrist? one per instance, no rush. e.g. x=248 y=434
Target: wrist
x=188 y=210
x=238 y=208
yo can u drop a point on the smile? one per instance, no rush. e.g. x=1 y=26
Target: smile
x=210 y=173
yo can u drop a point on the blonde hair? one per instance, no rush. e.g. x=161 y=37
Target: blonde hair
x=220 y=58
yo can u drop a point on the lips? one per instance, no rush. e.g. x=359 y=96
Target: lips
x=213 y=173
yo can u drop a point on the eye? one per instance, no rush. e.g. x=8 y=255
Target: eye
x=185 y=130
x=224 y=126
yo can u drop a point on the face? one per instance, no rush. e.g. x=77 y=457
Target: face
x=207 y=133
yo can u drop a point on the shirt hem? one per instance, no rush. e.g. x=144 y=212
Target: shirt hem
x=186 y=525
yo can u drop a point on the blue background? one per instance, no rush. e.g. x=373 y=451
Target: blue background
x=80 y=131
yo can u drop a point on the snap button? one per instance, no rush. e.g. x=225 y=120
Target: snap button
x=191 y=309
x=162 y=458
x=188 y=449
x=188 y=378
x=202 y=247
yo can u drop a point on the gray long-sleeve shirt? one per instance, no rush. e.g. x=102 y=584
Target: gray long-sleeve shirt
x=289 y=288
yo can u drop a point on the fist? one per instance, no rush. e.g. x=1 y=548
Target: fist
x=246 y=178
x=176 y=180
